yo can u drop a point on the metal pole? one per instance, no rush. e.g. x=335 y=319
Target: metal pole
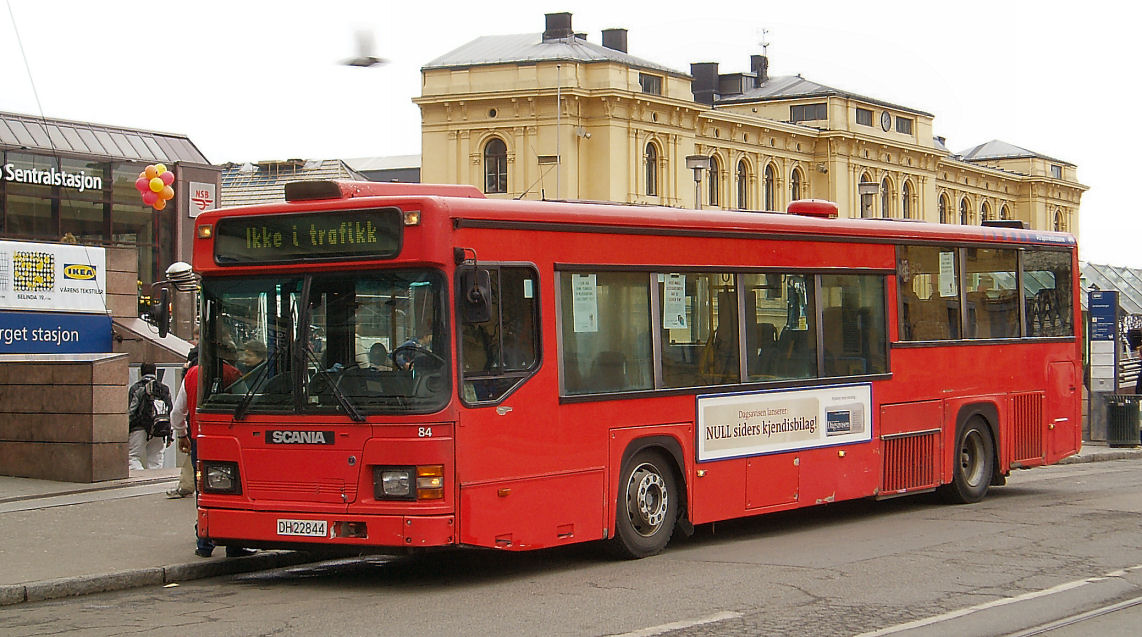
x=558 y=122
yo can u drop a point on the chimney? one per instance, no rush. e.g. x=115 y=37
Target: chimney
x=615 y=39
x=705 y=82
x=558 y=26
x=759 y=65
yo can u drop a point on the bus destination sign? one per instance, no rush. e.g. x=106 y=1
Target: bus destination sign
x=347 y=234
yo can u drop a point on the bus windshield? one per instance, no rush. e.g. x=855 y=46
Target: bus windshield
x=356 y=343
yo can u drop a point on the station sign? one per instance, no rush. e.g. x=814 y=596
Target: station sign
x=54 y=333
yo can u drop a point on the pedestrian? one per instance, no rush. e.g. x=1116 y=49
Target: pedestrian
x=148 y=416
x=184 y=421
x=1134 y=339
x=185 y=484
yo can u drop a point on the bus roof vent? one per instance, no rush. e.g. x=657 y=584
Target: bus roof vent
x=310 y=190
x=820 y=208
x=1016 y=224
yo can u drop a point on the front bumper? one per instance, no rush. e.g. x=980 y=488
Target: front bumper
x=260 y=529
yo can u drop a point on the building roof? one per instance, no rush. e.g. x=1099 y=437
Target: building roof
x=391 y=162
x=264 y=182
x=81 y=138
x=794 y=86
x=996 y=149
x=1127 y=281
x=531 y=48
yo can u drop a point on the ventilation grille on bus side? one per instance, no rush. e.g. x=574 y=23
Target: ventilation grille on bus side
x=1027 y=429
x=910 y=462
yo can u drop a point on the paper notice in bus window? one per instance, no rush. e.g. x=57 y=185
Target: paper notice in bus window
x=528 y=291
x=948 y=274
x=674 y=302
x=585 y=304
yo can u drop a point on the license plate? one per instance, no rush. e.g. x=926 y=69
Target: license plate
x=306 y=528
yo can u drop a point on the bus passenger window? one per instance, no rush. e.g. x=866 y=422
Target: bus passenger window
x=699 y=329
x=929 y=293
x=499 y=354
x=1047 y=293
x=605 y=332
x=852 y=322
x=781 y=332
x=991 y=291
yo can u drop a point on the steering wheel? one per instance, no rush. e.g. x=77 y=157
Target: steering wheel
x=414 y=348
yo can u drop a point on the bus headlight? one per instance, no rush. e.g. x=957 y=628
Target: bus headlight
x=425 y=482
x=221 y=477
x=392 y=483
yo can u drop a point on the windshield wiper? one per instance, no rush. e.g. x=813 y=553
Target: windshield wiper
x=248 y=397
x=342 y=399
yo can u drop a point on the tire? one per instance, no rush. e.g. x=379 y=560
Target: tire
x=648 y=505
x=973 y=464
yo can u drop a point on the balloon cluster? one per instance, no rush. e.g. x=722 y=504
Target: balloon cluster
x=154 y=183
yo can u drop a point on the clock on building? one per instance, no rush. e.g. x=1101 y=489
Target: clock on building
x=885 y=121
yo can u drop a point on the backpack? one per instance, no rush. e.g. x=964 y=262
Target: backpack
x=156 y=411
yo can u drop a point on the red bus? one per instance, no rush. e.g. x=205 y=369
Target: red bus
x=419 y=366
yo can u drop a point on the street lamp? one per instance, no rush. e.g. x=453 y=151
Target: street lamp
x=699 y=164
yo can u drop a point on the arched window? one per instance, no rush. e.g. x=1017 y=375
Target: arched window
x=964 y=220
x=906 y=200
x=885 y=198
x=1060 y=221
x=770 y=185
x=651 y=170
x=867 y=198
x=495 y=166
x=743 y=185
x=984 y=212
x=1003 y=214
x=712 y=184
x=795 y=185
x=943 y=208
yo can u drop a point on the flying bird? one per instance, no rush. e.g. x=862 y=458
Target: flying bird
x=365 y=47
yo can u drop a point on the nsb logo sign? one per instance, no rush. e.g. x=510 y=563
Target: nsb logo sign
x=79 y=271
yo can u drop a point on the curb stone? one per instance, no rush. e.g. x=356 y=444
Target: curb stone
x=73 y=586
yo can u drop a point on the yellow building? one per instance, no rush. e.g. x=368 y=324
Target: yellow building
x=625 y=129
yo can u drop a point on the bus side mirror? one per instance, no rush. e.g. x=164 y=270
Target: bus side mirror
x=476 y=289
x=161 y=312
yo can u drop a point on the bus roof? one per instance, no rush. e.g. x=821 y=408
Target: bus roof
x=468 y=207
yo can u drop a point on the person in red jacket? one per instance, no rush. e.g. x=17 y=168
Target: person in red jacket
x=184 y=422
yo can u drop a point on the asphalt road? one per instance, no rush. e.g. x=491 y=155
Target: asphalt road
x=1056 y=550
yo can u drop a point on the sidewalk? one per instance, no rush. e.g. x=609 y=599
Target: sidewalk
x=59 y=539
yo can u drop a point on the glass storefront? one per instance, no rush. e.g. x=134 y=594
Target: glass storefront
x=44 y=198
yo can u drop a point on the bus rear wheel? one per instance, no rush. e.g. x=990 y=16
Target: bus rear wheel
x=647 y=507
x=973 y=465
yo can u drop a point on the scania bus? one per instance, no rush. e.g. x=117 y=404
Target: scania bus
x=419 y=366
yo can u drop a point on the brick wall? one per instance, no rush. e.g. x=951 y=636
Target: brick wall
x=64 y=417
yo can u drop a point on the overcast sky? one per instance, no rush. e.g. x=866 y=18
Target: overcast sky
x=253 y=80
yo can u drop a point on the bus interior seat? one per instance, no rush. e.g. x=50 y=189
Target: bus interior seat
x=763 y=342
x=608 y=373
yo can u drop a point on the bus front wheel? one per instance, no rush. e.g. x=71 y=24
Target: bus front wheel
x=647 y=506
x=973 y=465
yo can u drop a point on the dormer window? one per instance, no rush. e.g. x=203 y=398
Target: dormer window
x=651 y=84
x=808 y=112
x=904 y=125
x=864 y=117
x=1056 y=171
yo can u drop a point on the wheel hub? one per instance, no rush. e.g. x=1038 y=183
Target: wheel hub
x=647 y=500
